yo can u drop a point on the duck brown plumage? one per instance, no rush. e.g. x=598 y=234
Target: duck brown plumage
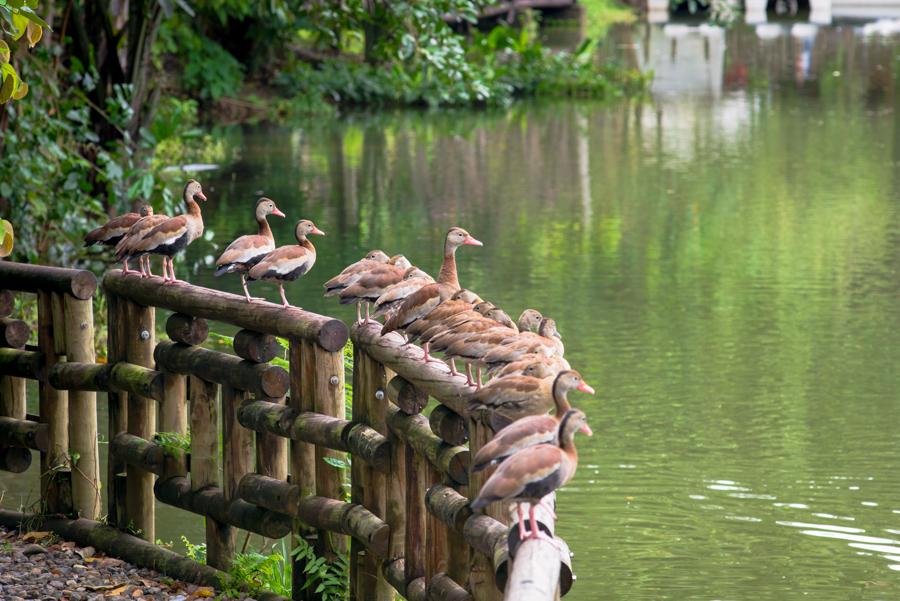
x=426 y=299
x=464 y=300
x=287 y=263
x=393 y=296
x=536 y=471
x=175 y=234
x=125 y=249
x=505 y=400
x=548 y=342
x=372 y=284
x=373 y=259
x=245 y=252
x=112 y=232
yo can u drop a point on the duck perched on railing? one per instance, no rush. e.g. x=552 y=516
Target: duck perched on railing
x=287 y=263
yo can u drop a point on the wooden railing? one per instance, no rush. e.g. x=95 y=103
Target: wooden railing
x=408 y=524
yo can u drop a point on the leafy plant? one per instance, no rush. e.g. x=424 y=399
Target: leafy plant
x=257 y=572
x=173 y=443
x=17 y=18
x=195 y=552
x=7 y=238
x=329 y=579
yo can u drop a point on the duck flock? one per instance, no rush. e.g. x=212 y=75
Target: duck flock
x=529 y=376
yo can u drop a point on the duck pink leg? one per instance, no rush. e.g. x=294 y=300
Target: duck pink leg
x=125 y=269
x=453 y=371
x=469 y=381
x=246 y=290
x=143 y=267
x=147 y=261
x=284 y=301
x=358 y=314
x=168 y=269
x=174 y=279
x=522 y=533
x=536 y=531
x=426 y=358
x=368 y=319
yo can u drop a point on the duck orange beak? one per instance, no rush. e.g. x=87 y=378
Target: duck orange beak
x=278 y=213
x=587 y=430
x=316 y=230
x=583 y=387
x=472 y=241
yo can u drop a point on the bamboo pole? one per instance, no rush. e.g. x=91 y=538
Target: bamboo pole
x=259 y=378
x=370 y=405
x=40 y=278
x=329 y=400
x=205 y=466
x=115 y=543
x=14 y=333
x=56 y=491
x=79 y=324
x=293 y=324
x=139 y=333
x=302 y=454
x=118 y=412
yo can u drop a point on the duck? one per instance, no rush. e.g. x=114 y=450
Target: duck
x=505 y=400
x=547 y=342
x=372 y=284
x=287 y=263
x=427 y=298
x=125 y=249
x=473 y=318
x=553 y=364
x=463 y=300
x=112 y=232
x=530 y=321
x=393 y=296
x=175 y=234
x=527 y=431
x=246 y=251
x=349 y=274
x=534 y=472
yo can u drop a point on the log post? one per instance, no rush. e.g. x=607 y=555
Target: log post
x=7 y=303
x=303 y=454
x=436 y=544
x=481 y=574
x=12 y=389
x=415 y=543
x=255 y=346
x=139 y=339
x=237 y=446
x=79 y=324
x=118 y=412
x=537 y=565
x=187 y=329
x=56 y=491
x=205 y=466
x=329 y=400
x=14 y=333
x=369 y=407
x=448 y=426
x=173 y=417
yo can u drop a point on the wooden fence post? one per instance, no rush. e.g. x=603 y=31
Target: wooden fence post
x=481 y=573
x=118 y=412
x=79 y=327
x=56 y=490
x=329 y=400
x=303 y=454
x=139 y=331
x=205 y=466
x=369 y=407
x=237 y=448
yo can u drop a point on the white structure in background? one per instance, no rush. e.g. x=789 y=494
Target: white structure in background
x=685 y=59
x=821 y=12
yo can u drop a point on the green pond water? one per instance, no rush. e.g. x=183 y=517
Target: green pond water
x=722 y=261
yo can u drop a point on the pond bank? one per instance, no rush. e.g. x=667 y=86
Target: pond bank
x=38 y=565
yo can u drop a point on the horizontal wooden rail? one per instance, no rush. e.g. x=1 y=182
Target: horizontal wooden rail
x=331 y=432
x=23 y=364
x=115 y=377
x=541 y=566
x=149 y=456
x=321 y=513
x=115 y=543
x=7 y=302
x=14 y=333
x=33 y=278
x=394 y=572
x=261 y=379
x=448 y=426
x=432 y=378
x=14 y=459
x=210 y=501
x=269 y=318
x=415 y=431
x=23 y=433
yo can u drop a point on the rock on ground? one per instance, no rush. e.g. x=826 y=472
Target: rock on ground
x=38 y=565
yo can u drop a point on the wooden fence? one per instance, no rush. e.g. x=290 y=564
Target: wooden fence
x=408 y=525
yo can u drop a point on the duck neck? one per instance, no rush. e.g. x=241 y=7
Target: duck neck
x=448 y=267
x=567 y=439
x=560 y=397
x=305 y=243
x=264 y=229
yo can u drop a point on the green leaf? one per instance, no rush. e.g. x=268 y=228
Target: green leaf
x=4 y=52
x=33 y=17
x=7 y=238
x=21 y=91
x=33 y=34
x=19 y=24
x=7 y=88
